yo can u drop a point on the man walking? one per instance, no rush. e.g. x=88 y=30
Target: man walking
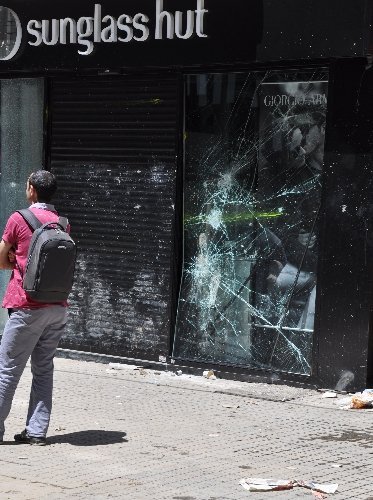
x=33 y=328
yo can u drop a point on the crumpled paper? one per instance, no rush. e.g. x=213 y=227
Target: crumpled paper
x=260 y=484
x=321 y=488
x=358 y=401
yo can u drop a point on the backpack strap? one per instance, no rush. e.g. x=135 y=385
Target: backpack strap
x=30 y=218
x=35 y=223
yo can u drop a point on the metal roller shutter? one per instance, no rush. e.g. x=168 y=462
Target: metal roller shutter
x=113 y=148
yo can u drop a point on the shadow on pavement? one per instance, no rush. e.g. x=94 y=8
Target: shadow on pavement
x=89 y=438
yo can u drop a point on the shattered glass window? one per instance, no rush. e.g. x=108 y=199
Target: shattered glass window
x=253 y=147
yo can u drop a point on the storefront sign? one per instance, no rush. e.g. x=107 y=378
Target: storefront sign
x=89 y=30
x=110 y=35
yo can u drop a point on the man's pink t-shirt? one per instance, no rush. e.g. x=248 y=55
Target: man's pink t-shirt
x=18 y=234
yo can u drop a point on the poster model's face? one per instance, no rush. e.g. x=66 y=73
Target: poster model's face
x=254 y=146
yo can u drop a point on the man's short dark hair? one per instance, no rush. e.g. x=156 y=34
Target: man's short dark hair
x=44 y=183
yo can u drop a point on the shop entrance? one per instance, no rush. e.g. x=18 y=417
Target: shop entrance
x=113 y=148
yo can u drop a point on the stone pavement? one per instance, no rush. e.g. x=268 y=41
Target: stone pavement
x=141 y=434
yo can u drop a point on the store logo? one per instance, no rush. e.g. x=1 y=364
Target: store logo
x=90 y=30
x=10 y=33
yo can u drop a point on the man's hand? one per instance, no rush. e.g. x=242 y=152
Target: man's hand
x=12 y=255
x=6 y=253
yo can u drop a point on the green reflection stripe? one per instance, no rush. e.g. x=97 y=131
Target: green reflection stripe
x=248 y=216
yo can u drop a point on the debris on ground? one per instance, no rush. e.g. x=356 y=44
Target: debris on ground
x=358 y=401
x=122 y=366
x=321 y=488
x=259 y=484
x=179 y=372
x=329 y=394
x=209 y=374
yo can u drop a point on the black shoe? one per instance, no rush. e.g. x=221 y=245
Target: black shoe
x=25 y=438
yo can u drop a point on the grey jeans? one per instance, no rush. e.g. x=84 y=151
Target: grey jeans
x=35 y=333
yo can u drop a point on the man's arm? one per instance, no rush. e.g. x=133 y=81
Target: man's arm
x=4 y=257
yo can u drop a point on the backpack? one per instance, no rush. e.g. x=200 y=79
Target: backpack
x=50 y=265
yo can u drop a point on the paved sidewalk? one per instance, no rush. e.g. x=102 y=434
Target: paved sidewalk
x=141 y=434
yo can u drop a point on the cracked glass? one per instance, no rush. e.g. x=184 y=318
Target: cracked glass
x=253 y=160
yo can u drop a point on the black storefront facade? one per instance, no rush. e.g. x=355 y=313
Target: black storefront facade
x=215 y=162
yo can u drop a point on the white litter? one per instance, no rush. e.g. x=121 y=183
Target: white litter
x=358 y=401
x=329 y=394
x=260 y=484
